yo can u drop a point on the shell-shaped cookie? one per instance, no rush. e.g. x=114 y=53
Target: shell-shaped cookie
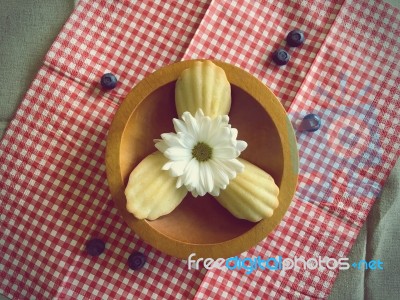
x=205 y=86
x=151 y=192
x=252 y=195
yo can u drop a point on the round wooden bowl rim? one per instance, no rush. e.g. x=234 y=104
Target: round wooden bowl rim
x=143 y=228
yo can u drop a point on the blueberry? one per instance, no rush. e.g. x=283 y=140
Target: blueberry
x=280 y=57
x=95 y=247
x=108 y=81
x=295 y=38
x=136 y=260
x=310 y=123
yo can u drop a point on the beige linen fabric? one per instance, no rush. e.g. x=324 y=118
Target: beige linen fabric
x=27 y=30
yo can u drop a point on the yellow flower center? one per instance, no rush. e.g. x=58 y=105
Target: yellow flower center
x=202 y=152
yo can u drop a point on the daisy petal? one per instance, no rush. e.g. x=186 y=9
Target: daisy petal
x=177 y=153
x=194 y=193
x=179 y=182
x=191 y=175
x=225 y=153
x=205 y=127
x=179 y=126
x=199 y=115
x=220 y=177
x=225 y=167
x=234 y=133
x=191 y=124
x=161 y=145
x=187 y=141
x=241 y=146
x=206 y=178
x=234 y=165
x=167 y=166
x=177 y=168
x=173 y=140
x=215 y=192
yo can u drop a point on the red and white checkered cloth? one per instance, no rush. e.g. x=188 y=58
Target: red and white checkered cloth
x=54 y=194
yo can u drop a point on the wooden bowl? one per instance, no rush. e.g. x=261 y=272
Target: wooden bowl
x=200 y=225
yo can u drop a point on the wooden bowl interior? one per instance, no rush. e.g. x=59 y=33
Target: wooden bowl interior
x=201 y=220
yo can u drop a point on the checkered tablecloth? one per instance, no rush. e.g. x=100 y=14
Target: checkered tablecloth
x=54 y=194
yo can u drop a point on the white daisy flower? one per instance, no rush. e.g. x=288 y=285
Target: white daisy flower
x=202 y=153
